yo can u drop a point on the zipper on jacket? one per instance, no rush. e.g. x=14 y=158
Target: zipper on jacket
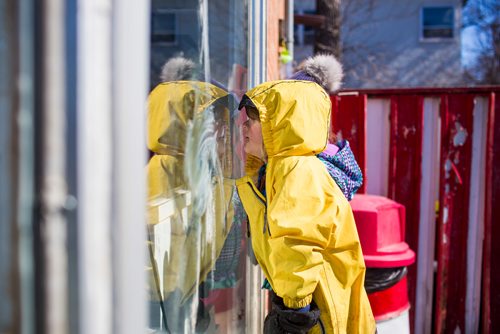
x=322 y=326
x=266 y=224
x=248 y=227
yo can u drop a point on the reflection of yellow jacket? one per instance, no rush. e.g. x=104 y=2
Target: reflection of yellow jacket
x=304 y=235
x=193 y=249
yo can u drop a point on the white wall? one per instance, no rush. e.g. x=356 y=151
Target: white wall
x=377 y=146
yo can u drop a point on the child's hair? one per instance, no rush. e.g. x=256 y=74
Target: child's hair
x=252 y=113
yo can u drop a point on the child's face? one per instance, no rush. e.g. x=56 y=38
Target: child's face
x=252 y=136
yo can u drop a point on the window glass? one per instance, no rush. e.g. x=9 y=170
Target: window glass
x=196 y=223
x=304 y=34
x=437 y=22
x=163 y=27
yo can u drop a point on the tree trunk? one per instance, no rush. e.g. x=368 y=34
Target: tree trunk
x=327 y=37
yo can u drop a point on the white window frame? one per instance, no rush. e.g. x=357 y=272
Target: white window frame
x=112 y=86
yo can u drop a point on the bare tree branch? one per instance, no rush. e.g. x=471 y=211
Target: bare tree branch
x=484 y=17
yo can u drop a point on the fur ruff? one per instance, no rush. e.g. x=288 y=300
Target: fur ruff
x=176 y=69
x=326 y=70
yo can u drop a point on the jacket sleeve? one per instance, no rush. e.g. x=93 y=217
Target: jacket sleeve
x=301 y=211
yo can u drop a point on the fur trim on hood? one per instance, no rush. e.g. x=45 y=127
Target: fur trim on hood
x=325 y=70
x=177 y=69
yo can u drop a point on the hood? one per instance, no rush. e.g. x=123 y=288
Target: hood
x=343 y=168
x=295 y=116
x=170 y=106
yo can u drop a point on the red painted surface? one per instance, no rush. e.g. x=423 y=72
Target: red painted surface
x=495 y=229
x=334 y=115
x=423 y=91
x=490 y=303
x=381 y=227
x=391 y=302
x=349 y=122
x=405 y=174
x=450 y=281
x=456 y=117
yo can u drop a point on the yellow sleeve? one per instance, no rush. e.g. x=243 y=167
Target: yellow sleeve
x=301 y=213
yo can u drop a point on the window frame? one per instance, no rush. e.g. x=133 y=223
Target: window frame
x=422 y=27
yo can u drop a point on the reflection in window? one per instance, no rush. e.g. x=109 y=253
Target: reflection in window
x=195 y=217
x=437 y=22
x=163 y=27
x=196 y=223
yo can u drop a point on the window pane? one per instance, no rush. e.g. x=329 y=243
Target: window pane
x=163 y=27
x=437 y=22
x=438 y=16
x=196 y=223
x=163 y=22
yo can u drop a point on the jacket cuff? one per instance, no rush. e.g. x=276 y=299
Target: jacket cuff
x=294 y=303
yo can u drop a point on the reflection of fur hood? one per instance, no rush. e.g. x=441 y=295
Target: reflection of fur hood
x=177 y=69
x=181 y=133
x=171 y=105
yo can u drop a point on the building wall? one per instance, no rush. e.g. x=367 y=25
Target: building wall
x=276 y=13
x=382 y=45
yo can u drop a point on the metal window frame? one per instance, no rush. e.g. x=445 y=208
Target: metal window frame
x=26 y=200
x=16 y=167
x=257 y=55
x=257 y=42
x=112 y=71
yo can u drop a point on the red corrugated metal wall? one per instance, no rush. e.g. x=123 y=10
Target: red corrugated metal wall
x=349 y=122
x=456 y=131
x=405 y=169
x=405 y=156
x=490 y=303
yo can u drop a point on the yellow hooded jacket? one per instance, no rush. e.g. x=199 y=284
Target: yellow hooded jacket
x=171 y=105
x=303 y=234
